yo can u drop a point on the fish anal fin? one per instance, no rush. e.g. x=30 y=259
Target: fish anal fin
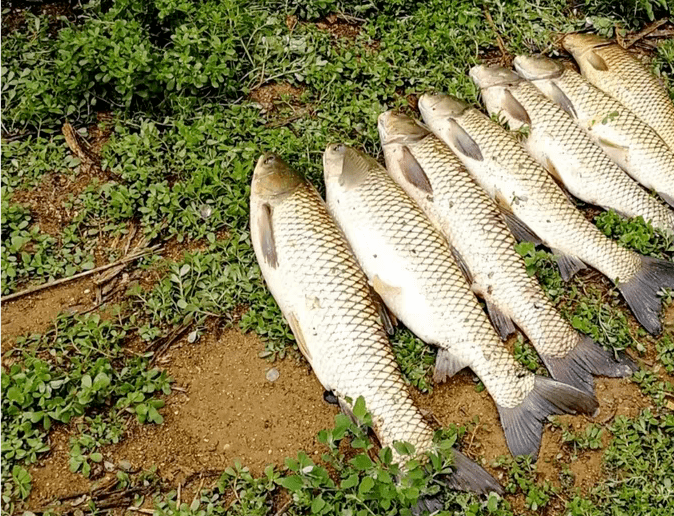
x=299 y=335
x=501 y=322
x=514 y=108
x=463 y=141
x=385 y=290
x=446 y=365
x=568 y=265
x=560 y=98
x=267 y=242
x=414 y=173
x=667 y=198
x=596 y=61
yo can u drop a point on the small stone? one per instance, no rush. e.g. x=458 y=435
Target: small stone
x=272 y=375
x=205 y=211
x=192 y=337
x=87 y=291
x=124 y=465
x=109 y=466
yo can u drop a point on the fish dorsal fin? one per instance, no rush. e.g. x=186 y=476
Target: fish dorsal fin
x=267 y=242
x=568 y=265
x=596 y=61
x=299 y=335
x=615 y=151
x=463 y=141
x=388 y=319
x=559 y=97
x=513 y=107
x=355 y=169
x=385 y=290
x=413 y=172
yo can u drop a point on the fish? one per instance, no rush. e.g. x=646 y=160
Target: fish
x=557 y=143
x=624 y=137
x=436 y=179
x=618 y=73
x=539 y=210
x=325 y=298
x=409 y=264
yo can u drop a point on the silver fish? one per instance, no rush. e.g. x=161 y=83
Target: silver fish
x=564 y=149
x=324 y=296
x=627 y=139
x=435 y=178
x=503 y=168
x=618 y=73
x=410 y=265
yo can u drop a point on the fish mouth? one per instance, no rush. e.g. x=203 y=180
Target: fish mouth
x=431 y=104
x=578 y=44
x=534 y=68
x=333 y=160
x=398 y=128
x=487 y=76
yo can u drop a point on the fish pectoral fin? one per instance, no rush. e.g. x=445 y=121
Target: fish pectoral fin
x=299 y=335
x=385 y=290
x=568 y=265
x=446 y=365
x=462 y=264
x=463 y=141
x=615 y=151
x=519 y=229
x=514 y=108
x=552 y=169
x=266 y=236
x=560 y=98
x=388 y=319
x=596 y=61
x=501 y=322
x=413 y=172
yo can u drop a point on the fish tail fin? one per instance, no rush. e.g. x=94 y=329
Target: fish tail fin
x=523 y=424
x=586 y=360
x=641 y=292
x=467 y=476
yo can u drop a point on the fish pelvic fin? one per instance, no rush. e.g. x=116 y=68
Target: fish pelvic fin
x=523 y=424
x=585 y=360
x=668 y=198
x=568 y=265
x=641 y=291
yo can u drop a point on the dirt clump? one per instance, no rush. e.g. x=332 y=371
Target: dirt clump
x=339 y=26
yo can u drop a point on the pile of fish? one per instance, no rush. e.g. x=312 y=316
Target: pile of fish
x=422 y=239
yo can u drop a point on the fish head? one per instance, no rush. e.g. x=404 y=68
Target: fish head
x=578 y=44
x=487 y=76
x=433 y=105
x=345 y=168
x=534 y=68
x=274 y=179
x=396 y=128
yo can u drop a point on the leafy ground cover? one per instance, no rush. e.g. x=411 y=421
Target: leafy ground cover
x=187 y=95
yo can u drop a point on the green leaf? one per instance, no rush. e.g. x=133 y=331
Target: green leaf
x=362 y=462
x=365 y=485
x=350 y=481
x=292 y=483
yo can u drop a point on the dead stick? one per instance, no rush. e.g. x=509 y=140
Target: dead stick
x=37 y=288
x=645 y=32
x=284 y=508
x=499 y=39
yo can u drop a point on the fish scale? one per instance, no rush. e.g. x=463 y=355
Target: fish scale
x=539 y=202
x=410 y=265
x=476 y=230
x=558 y=143
x=627 y=139
x=627 y=80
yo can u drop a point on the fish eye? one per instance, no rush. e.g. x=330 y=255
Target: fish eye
x=269 y=159
x=338 y=147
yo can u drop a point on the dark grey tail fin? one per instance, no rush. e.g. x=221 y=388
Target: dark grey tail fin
x=523 y=424
x=467 y=476
x=586 y=360
x=641 y=292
